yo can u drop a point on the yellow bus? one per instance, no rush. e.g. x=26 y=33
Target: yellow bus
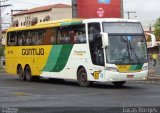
x=86 y=50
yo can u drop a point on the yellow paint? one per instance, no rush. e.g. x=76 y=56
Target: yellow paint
x=36 y=62
x=126 y=68
x=43 y=25
x=79 y=53
x=96 y=75
x=123 y=68
x=21 y=94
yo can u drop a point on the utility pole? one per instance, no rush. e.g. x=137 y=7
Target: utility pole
x=122 y=10
x=129 y=12
x=150 y=28
x=1 y=15
x=12 y=20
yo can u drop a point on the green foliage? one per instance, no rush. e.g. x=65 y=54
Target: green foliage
x=1 y=51
x=157 y=29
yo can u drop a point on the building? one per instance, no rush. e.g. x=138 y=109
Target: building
x=41 y=14
x=3 y=40
x=97 y=8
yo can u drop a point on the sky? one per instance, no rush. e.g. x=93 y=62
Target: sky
x=147 y=11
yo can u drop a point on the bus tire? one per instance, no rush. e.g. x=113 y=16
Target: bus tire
x=82 y=78
x=28 y=73
x=119 y=84
x=20 y=73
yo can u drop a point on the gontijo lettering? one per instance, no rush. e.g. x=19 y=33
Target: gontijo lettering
x=33 y=51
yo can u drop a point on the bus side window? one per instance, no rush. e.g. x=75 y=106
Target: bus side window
x=79 y=34
x=53 y=37
x=41 y=35
x=50 y=37
x=8 y=38
x=63 y=35
x=12 y=39
x=20 y=38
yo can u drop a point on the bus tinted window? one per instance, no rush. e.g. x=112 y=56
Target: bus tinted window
x=72 y=34
x=26 y=38
x=12 y=39
x=95 y=43
x=33 y=37
x=50 y=36
x=66 y=35
x=122 y=28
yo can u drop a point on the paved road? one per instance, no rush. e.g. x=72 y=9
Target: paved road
x=45 y=93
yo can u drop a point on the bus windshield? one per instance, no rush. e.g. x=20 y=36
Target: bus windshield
x=128 y=46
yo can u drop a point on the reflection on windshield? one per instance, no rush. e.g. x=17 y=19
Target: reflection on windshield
x=126 y=50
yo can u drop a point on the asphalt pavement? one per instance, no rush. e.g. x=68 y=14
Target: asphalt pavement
x=67 y=96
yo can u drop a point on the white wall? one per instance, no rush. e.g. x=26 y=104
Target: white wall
x=61 y=13
x=3 y=38
x=39 y=15
x=55 y=14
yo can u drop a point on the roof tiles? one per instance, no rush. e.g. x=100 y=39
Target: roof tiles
x=43 y=8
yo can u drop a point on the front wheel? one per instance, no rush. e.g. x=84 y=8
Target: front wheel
x=119 y=84
x=82 y=78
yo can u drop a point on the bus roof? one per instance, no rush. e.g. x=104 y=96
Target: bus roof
x=108 y=20
x=65 y=22
x=48 y=24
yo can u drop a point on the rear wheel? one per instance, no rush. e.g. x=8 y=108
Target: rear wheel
x=119 y=84
x=82 y=78
x=20 y=73
x=28 y=74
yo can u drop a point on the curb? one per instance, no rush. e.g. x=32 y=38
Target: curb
x=156 y=78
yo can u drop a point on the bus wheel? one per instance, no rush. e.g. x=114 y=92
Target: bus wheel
x=119 y=84
x=28 y=73
x=20 y=73
x=82 y=78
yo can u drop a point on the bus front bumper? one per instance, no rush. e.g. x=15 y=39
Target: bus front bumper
x=116 y=76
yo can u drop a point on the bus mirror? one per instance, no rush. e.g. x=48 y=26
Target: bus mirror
x=153 y=40
x=105 y=39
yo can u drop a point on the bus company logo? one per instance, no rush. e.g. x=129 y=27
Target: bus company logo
x=104 y=1
x=33 y=51
x=80 y=53
x=100 y=12
x=96 y=74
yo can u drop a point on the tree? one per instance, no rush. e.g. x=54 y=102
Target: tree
x=1 y=51
x=157 y=29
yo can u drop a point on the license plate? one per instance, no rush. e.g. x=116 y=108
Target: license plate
x=130 y=76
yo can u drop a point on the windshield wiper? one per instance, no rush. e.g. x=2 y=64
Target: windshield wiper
x=132 y=50
x=126 y=42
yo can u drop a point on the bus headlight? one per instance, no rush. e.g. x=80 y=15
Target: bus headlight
x=113 y=69
x=145 y=68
